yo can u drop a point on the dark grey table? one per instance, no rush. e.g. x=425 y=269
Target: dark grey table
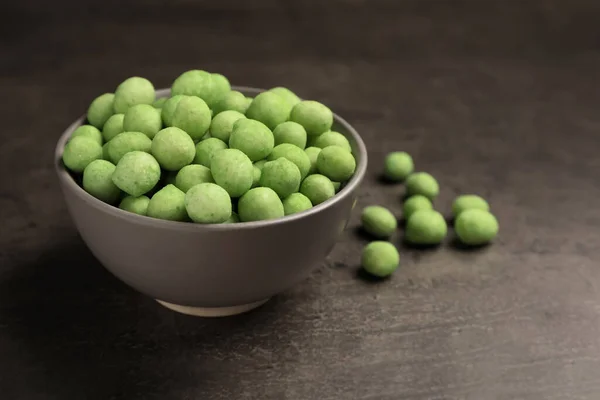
x=499 y=98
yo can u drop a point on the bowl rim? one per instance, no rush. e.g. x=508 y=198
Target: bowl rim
x=69 y=183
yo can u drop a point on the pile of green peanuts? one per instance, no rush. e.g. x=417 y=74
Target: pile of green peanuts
x=208 y=154
x=474 y=224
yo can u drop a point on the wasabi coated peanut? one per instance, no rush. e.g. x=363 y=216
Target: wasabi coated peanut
x=105 y=155
x=79 y=152
x=259 y=204
x=281 y=175
x=234 y=101
x=332 y=138
x=380 y=258
x=168 y=203
x=475 y=227
x=415 y=203
x=293 y=153
x=159 y=103
x=336 y=163
x=125 y=142
x=100 y=109
x=233 y=171
x=142 y=118
x=290 y=132
x=285 y=93
x=253 y=138
x=317 y=188
x=208 y=203
x=378 y=221
x=88 y=131
x=193 y=116
x=295 y=203
x=137 y=173
x=194 y=83
x=173 y=149
x=426 y=227
x=133 y=91
x=220 y=87
x=260 y=164
x=422 y=183
x=468 y=202
x=315 y=117
x=168 y=109
x=136 y=205
x=222 y=124
x=205 y=150
x=313 y=154
x=97 y=181
x=337 y=186
x=234 y=219
x=270 y=109
x=191 y=175
x=112 y=127
x=398 y=166
x=256 y=174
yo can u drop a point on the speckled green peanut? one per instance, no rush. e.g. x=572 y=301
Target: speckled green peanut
x=295 y=203
x=208 y=203
x=475 y=227
x=380 y=258
x=88 y=131
x=194 y=83
x=281 y=175
x=398 y=166
x=137 y=173
x=142 y=118
x=234 y=101
x=318 y=188
x=290 y=97
x=133 y=91
x=313 y=155
x=378 y=221
x=191 y=175
x=222 y=124
x=468 y=202
x=426 y=227
x=290 y=132
x=259 y=204
x=315 y=117
x=137 y=205
x=422 y=183
x=415 y=203
x=101 y=109
x=336 y=163
x=97 y=181
x=79 y=152
x=332 y=138
x=220 y=87
x=173 y=148
x=168 y=109
x=168 y=204
x=253 y=138
x=270 y=109
x=233 y=171
x=293 y=153
x=205 y=150
x=193 y=116
x=113 y=126
x=125 y=142
x=159 y=103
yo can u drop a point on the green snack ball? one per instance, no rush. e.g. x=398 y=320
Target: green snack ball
x=208 y=203
x=260 y=164
x=113 y=126
x=234 y=219
x=133 y=91
x=293 y=153
x=336 y=163
x=259 y=204
x=168 y=203
x=125 y=142
x=233 y=171
x=378 y=221
x=290 y=132
x=398 y=166
x=317 y=188
x=315 y=117
x=234 y=101
x=415 y=203
x=257 y=173
x=205 y=150
x=380 y=258
x=105 y=155
x=426 y=227
x=422 y=183
x=142 y=118
x=270 y=109
x=281 y=175
x=159 y=103
x=193 y=116
x=336 y=186
x=173 y=149
x=313 y=155
x=168 y=109
x=137 y=173
x=286 y=94
x=295 y=203
x=88 y=131
x=220 y=87
x=194 y=83
x=222 y=124
x=332 y=138
x=253 y=138
x=79 y=152
x=192 y=175
x=136 y=205
x=100 y=109
x=475 y=227
x=468 y=202
x=97 y=181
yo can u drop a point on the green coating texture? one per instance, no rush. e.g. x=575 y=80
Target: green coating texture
x=194 y=83
x=88 y=131
x=415 y=203
x=234 y=101
x=468 y=202
x=290 y=132
x=233 y=171
x=317 y=188
x=193 y=116
x=315 y=117
x=79 y=152
x=256 y=174
x=426 y=227
x=295 y=203
x=378 y=221
x=398 y=166
x=332 y=138
x=191 y=175
x=313 y=155
x=422 y=183
x=137 y=173
x=137 y=205
x=336 y=163
x=270 y=109
x=234 y=219
x=142 y=118
x=220 y=87
x=281 y=175
x=168 y=203
x=260 y=204
x=380 y=258
x=253 y=138
x=222 y=124
x=337 y=186
x=475 y=227
x=286 y=94
x=133 y=91
x=113 y=126
x=293 y=153
x=159 y=103
x=97 y=181
x=173 y=149
x=208 y=203
x=205 y=150
x=168 y=109
x=101 y=109
x=105 y=155
x=260 y=164
x=125 y=142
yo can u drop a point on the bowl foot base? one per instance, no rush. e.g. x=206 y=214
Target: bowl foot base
x=212 y=311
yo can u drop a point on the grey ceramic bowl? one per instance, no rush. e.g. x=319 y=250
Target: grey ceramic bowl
x=210 y=270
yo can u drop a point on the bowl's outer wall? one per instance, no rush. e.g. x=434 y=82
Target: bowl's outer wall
x=208 y=268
